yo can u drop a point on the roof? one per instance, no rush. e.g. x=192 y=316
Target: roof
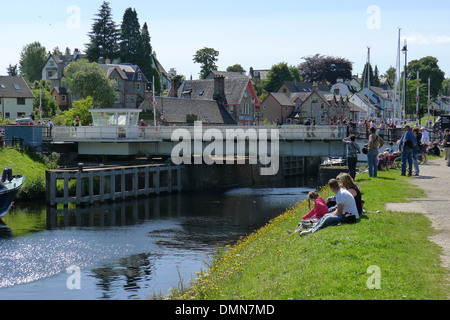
x=282 y=99
x=295 y=86
x=177 y=109
x=14 y=87
x=204 y=89
x=226 y=74
x=126 y=71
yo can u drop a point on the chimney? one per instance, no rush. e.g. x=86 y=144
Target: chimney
x=60 y=69
x=315 y=86
x=175 y=82
x=75 y=54
x=219 y=89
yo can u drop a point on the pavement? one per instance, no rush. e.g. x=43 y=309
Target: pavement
x=434 y=179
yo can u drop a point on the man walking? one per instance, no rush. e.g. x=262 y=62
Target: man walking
x=425 y=143
x=406 y=146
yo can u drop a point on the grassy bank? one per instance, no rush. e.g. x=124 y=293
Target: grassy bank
x=32 y=166
x=333 y=263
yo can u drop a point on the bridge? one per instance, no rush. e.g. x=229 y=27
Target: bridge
x=294 y=140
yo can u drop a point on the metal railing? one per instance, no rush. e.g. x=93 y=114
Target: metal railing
x=117 y=134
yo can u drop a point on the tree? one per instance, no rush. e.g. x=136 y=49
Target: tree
x=236 y=68
x=84 y=79
x=130 y=37
x=373 y=76
x=80 y=109
x=325 y=68
x=391 y=75
x=49 y=107
x=428 y=68
x=207 y=57
x=145 y=58
x=104 y=36
x=12 y=70
x=32 y=59
x=279 y=73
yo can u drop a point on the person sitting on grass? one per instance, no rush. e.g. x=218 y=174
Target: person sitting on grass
x=317 y=212
x=434 y=149
x=345 y=203
x=348 y=183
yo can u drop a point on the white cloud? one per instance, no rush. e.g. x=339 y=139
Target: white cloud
x=422 y=39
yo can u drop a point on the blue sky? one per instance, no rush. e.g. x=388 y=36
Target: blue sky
x=253 y=33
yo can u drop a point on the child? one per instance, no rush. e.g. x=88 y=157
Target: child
x=318 y=211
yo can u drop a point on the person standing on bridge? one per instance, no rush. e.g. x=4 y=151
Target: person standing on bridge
x=352 y=154
x=375 y=142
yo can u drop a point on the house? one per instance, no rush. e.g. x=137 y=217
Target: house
x=258 y=75
x=368 y=109
x=343 y=88
x=61 y=97
x=317 y=105
x=131 y=84
x=166 y=77
x=16 y=98
x=381 y=98
x=53 y=69
x=277 y=107
x=236 y=95
x=182 y=112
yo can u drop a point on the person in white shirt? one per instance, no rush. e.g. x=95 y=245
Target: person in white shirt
x=345 y=203
x=425 y=143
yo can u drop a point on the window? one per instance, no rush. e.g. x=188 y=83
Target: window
x=139 y=76
x=139 y=87
x=49 y=74
x=16 y=86
x=63 y=98
x=21 y=101
x=2 y=86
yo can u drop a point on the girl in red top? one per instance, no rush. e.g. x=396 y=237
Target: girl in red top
x=316 y=213
x=320 y=207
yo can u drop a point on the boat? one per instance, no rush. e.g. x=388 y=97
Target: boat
x=9 y=186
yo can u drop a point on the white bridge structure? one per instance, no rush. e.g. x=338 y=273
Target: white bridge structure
x=116 y=132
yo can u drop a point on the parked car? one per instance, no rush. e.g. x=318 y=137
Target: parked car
x=24 y=121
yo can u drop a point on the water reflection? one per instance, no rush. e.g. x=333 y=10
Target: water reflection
x=129 y=249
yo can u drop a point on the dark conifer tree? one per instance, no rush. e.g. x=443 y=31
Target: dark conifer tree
x=104 y=36
x=130 y=37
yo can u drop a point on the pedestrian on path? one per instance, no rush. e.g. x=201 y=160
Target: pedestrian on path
x=406 y=146
x=352 y=154
x=447 y=146
x=425 y=143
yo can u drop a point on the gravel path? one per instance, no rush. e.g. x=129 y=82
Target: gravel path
x=434 y=179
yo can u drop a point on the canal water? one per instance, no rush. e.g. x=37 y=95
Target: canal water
x=131 y=249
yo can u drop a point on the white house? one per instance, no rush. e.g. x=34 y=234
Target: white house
x=16 y=98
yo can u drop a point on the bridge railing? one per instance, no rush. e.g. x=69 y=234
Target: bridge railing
x=113 y=133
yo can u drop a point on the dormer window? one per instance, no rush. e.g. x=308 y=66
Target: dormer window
x=139 y=76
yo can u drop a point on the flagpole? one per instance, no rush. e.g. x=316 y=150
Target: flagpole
x=417 y=99
x=429 y=101
x=40 y=103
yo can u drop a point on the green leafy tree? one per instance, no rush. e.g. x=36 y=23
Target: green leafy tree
x=130 y=37
x=104 y=36
x=80 y=109
x=236 y=68
x=279 y=73
x=32 y=59
x=49 y=107
x=428 y=68
x=84 y=79
x=207 y=57
x=391 y=75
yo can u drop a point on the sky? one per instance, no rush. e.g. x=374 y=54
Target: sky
x=252 y=33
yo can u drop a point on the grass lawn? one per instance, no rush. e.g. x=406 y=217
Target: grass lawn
x=385 y=256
